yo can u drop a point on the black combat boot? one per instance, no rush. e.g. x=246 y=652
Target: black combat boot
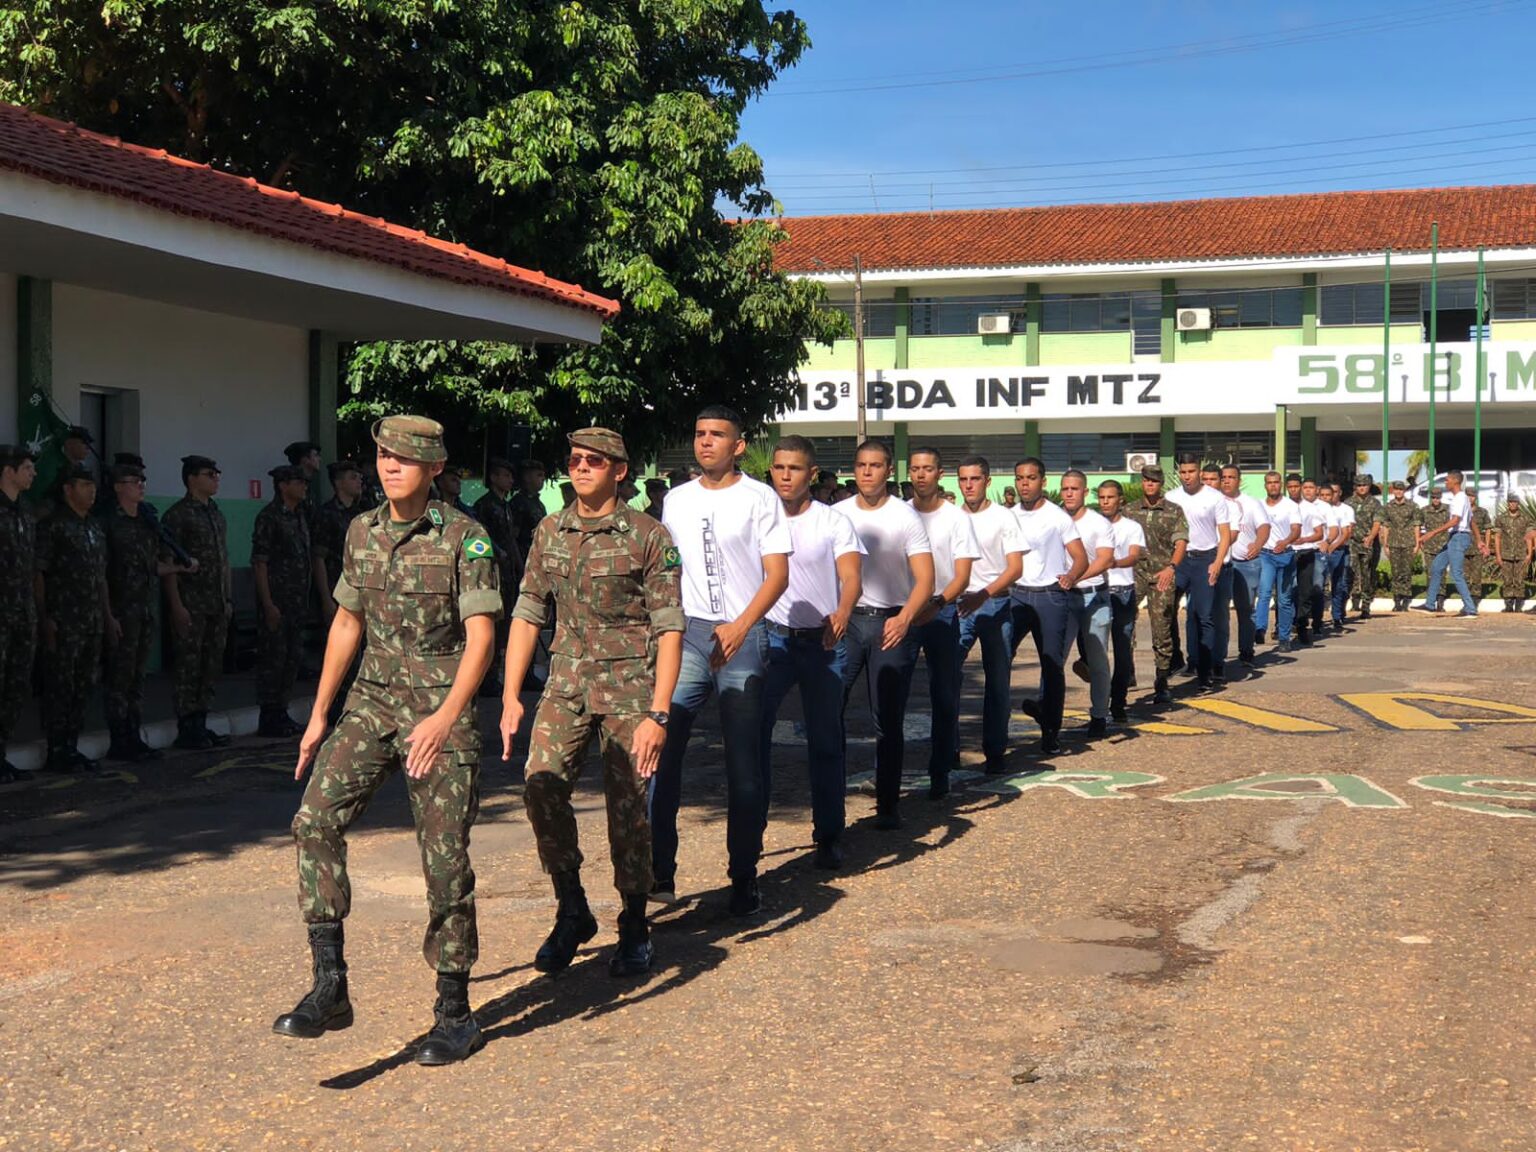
x=455 y=1036
x=136 y=737
x=574 y=925
x=1160 y=693
x=634 y=953
x=190 y=734
x=276 y=724
x=325 y=1007
x=122 y=746
x=215 y=740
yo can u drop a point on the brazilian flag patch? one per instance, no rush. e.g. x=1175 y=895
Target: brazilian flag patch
x=477 y=546
x=670 y=558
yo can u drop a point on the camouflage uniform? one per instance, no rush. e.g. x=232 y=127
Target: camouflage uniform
x=1476 y=562
x=72 y=556
x=133 y=552
x=18 y=612
x=414 y=587
x=1363 y=560
x=1165 y=526
x=1512 y=527
x=329 y=534
x=1431 y=517
x=281 y=538
x=199 y=527
x=496 y=515
x=1402 y=521
x=615 y=585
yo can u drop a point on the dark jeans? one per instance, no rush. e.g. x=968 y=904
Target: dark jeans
x=1308 y=598
x=939 y=642
x=1339 y=576
x=799 y=657
x=1122 y=635
x=1247 y=575
x=888 y=680
x=739 y=687
x=1200 y=595
x=1042 y=614
x=992 y=624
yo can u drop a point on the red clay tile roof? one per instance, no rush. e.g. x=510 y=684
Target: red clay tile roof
x=1330 y=223
x=63 y=153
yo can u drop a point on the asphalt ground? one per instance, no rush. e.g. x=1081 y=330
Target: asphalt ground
x=1127 y=948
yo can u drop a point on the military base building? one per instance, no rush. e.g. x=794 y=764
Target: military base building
x=1249 y=329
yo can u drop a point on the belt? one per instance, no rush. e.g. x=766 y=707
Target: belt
x=1188 y=552
x=1090 y=589
x=796 y=633
x=883 y=613
x=1051 y=587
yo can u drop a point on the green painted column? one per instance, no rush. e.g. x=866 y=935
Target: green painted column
x=903 y=326
x=1033 y=307
x=323 y=398
x=1282 y=448
x=34 y=341
x=901 y=450
x=1032 y=438
x=1165 y=444
x=1308 y=311
x=1309 y=458
x=1170 y=326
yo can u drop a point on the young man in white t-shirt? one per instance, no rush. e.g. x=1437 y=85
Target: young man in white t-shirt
x=1341 y=520
x=1247 y=563
x=1221 y=596
x=806 y=630
x=1311 y=564
x=1277 y=564
x=1088 y=622
x=985 y=610
x=1130 y=542
x=1460 y=536
x=897 y=584
x=1054 y=560
x=937 y=628
x=734 y=546
x=1201 y=574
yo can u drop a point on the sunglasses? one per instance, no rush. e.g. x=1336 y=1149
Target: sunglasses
x=592 y=461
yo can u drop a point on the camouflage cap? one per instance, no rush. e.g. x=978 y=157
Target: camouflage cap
x=1152 y=472
x=121 y=472
x=300 y=449
x=1434 y=492
x=199 y=463
x=77 y=472
x=285 y=472
x=1362 y=479
x=413 y=437
x=133 y=459
x=1399 y=485
x=604 y=440
x=338 y=467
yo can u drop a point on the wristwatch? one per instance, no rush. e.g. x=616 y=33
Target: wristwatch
x=659 y=717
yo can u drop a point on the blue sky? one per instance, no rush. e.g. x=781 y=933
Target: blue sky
x=1113 y=99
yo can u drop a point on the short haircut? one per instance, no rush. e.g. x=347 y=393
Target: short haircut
x=1293 y=478
x=927 y=450
x=1310 y=481
x=721 y=412
x=1030 y=462
x=798 y=444
x=1231 y=468
x=1184 y=458
x=1211 y=466
x=975 y=461
x=15 y=455
x=1456 y=472
x=1114 y=485
x=1273 y=473
x=1077 y=472
x=879 y=446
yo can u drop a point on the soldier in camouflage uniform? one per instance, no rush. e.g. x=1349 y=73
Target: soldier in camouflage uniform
x=18 y=609
x=494 y=511
x=200 y=600
x=1400 y=521
x=328 y=534
x=420 y=580
x=305 y=456
x=612 y=573
x=1167 y=537
x=1364 y=545
x=72 y=607
x=135 y=561
x=1513 y=543
x=280 y=562
x=1476 y=567
x=527 y=504
x=1431 y=518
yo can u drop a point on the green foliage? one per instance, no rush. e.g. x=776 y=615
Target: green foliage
x=594 y=140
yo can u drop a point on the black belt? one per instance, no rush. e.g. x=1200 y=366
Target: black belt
x=1188 y=552
x=797 y=633
x=1051 y=587
x=883 y=613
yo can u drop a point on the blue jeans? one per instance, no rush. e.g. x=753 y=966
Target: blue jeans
x=1338 y=583
x=1310 y=568
x=1277 y=579
x=1193 y=580
x=1221 y=611
x=1454 y=556
x=1246 y=578
x=1122 y=635
x=1088 y=622
x=739 y=688
x=799 y=657
x=887 y=682
x=939 y=642
x=992 y=624
x=1041 y=614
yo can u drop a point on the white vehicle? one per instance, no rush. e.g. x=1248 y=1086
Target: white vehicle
x=1492 y=487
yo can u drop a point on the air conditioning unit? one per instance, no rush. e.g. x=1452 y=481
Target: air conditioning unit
x=1136 y=461
x=1193 y=319
x=994 y=324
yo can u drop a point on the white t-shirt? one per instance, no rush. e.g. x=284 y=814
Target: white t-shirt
x=1460 y=508
x=722 y=535
x=1204 y=510
x=890 y=534
x=952 y=538
x=1095 y=533
x=820 y=537
x=1314 y=515
x=1341 y=516
x=1046 y=532
x=1283 y=515
x=1251 y=518
x=1126 y=534
x=997 y=534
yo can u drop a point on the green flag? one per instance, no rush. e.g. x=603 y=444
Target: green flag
x=42 y=430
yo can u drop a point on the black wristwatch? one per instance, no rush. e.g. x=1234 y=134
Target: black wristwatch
x=659 y=717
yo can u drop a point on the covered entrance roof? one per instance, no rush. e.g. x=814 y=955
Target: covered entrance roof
x=83 y=208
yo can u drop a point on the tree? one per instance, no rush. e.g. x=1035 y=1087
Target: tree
x=596 y=141
x=1416 y=463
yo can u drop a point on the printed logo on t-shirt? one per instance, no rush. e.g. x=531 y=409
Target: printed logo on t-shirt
x=714 y=568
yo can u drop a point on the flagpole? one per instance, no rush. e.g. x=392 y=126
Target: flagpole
x=1386 y=366
x=1482 y=371
x=1434 y=331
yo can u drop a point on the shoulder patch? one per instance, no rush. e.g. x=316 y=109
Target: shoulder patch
x=436 y=516
x=477 y=546
x=670 y=557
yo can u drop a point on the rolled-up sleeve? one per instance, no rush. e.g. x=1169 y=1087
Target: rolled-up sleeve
x=663 y=583
x=534 y=593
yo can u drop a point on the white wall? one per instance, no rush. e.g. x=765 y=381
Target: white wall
x=236 y=390
x=10 y=410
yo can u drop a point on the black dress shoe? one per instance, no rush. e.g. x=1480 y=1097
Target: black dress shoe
x=888 y=820
x=829 y=856
x=746 y=900
x=1119 y=715
x=1050 y=746
x=1097 y=726
x=1030 y=707
x=995 y=766
x=938 y=785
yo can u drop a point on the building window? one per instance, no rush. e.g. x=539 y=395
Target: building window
x=1361 y=304
x=1091 y=312
x=1248 y=307
x=1248 y=450
x=879 y=318
x=1093 y=451
x=958 y=315
x=1513 y=299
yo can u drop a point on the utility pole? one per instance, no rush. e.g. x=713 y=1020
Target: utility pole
x=858 y=340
